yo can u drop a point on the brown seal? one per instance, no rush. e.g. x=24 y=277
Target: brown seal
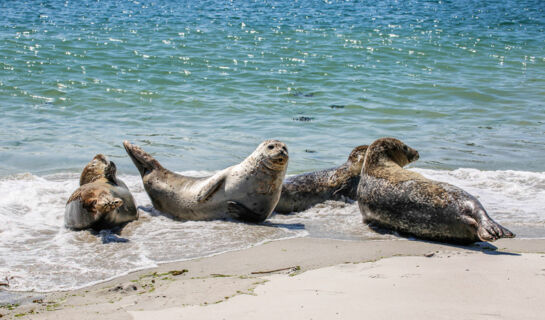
x=305 y=190
x=102 y=201
x=405 y=201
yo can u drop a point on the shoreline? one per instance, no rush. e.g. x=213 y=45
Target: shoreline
x=239 y=272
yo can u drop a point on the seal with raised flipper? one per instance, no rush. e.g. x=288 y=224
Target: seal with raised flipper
x=248 y=191
x=102 y=201
x=305 y=190
x=405 y=201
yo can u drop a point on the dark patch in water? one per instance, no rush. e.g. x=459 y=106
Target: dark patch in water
x=290 y=226
x=301 y=94
x=336 y=106
x=109 y=236
x=303 y=119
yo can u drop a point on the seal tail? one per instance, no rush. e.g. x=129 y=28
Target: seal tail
x=143 y=161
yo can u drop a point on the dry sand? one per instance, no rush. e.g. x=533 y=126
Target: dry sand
x=322 y=279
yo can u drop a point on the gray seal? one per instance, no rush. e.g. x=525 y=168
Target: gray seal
x=102 y=201
x=394 y=198
x=305 y=190
x=247 y=191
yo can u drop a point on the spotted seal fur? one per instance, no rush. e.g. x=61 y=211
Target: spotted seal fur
x=405 y=201
x=247 y=191
x=102 y=201
x=305 y=190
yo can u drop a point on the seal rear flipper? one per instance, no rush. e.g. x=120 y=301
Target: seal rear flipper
x=491 y=231
x=239 y=211
x=143 y=161
x=210 y=188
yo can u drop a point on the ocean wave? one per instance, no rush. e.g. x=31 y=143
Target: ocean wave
x=39 y=254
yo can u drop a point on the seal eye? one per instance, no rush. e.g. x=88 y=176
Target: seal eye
x=285 y=149
x=270 y=147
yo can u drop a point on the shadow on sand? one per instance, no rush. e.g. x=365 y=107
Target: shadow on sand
x=484 y=247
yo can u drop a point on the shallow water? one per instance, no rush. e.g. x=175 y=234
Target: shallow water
x=201 y=84
x=40 y=254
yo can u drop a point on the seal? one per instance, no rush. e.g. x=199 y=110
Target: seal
x=305 y=190
x=394 y=198
x=248 y=191
x=102 y=201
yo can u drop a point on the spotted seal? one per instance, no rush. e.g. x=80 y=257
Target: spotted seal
x=102 y=201
x=305 y=190
x=247 y=191
x=394 y=198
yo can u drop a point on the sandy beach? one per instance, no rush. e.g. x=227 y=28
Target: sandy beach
x=309 y=278
x=199 y=85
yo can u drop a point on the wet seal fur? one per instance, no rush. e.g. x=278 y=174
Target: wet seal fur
x=247 y=191
x=102 y=201
x=305 y=190
x=394 y=198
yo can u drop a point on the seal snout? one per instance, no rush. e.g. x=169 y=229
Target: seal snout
x=276 y=153
x=413 y=155
x=281 y=157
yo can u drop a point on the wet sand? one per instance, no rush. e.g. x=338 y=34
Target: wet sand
x=307 y=278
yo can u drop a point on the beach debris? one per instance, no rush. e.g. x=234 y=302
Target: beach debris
x=126 y=288
x=336 y=106
x=429 y=255
x=303 y=119
x=290 y=269
x=178 y=272
x=219 y=275
x=5 y=282
x=10 y=306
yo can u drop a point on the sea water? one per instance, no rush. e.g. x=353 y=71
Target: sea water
x=199 y=84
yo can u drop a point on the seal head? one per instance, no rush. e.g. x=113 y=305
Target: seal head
x=94 y=170
x=387 y=150
x=405 y=201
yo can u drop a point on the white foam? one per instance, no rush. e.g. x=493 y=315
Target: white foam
x=508 y=196
x=41 y=255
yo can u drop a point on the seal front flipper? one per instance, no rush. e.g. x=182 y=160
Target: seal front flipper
x=143 y=161
x=239 y=211
x=110 y=172
x=210 y=188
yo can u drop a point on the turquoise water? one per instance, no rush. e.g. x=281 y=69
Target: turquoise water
x=201 y=84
